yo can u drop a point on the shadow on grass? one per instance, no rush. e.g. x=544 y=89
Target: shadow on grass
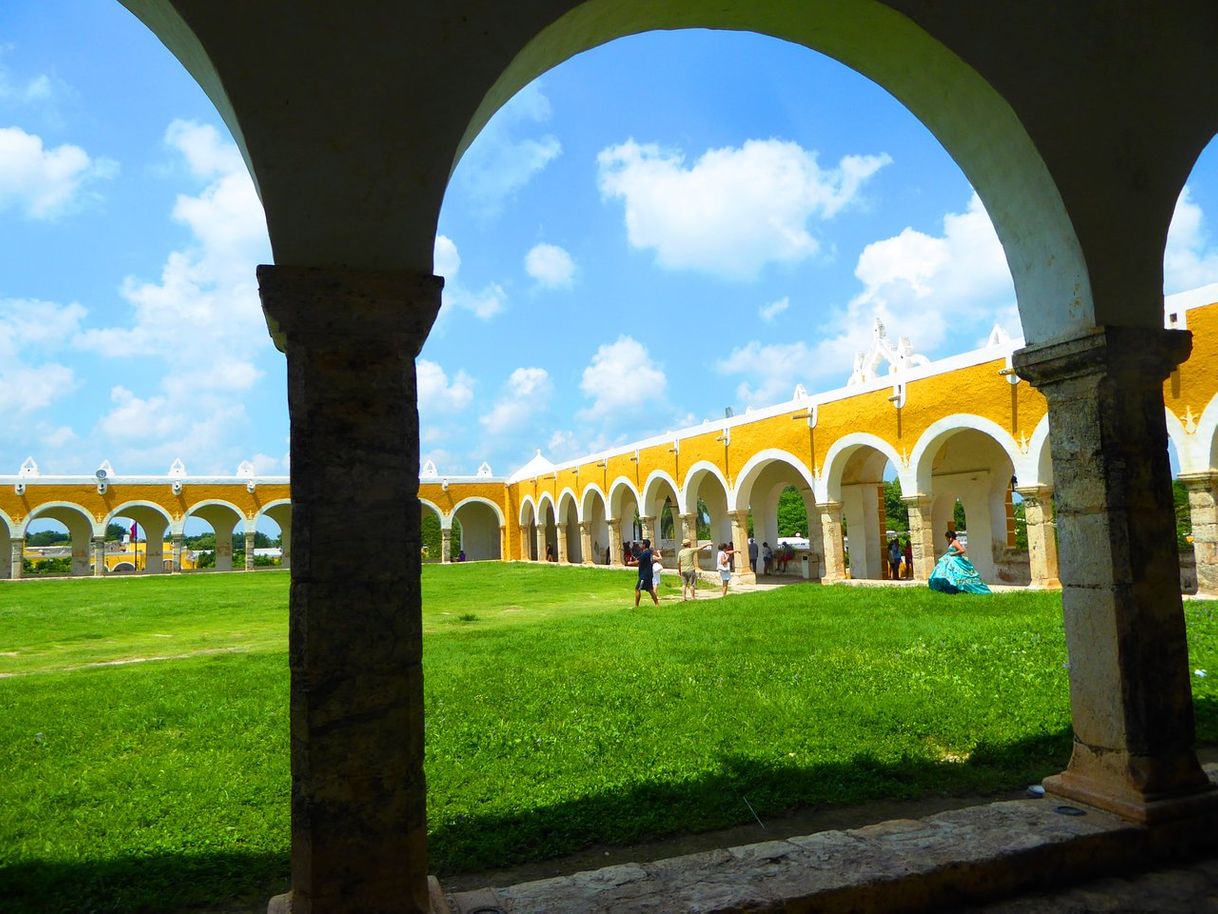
x=239 y=882
x=151 y=884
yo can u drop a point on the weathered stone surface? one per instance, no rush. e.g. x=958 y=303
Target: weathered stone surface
x=355 y=632
x=952 y=858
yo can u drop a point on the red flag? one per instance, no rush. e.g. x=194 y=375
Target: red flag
x=134 y=528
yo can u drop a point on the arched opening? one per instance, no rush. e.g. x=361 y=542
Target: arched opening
x=6 y=547
x=141 y=548
x=862 y=480
x=59 y=540
x=969 y=468
x=481 y=530
x=626 y=511
x=275 y=523
x=567 y=532
x=595 y=515
x=211 y=550
x=706 y=491
x=528 y=531
x=431 y=528
x=661 y=506
x=547 y=529
x=783 y=516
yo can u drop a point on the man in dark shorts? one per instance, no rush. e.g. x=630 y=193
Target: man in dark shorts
x=645 y=582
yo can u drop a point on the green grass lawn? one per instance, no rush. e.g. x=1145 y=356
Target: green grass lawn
x=143 y=722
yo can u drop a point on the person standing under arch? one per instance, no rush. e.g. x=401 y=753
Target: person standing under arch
x=645 y=582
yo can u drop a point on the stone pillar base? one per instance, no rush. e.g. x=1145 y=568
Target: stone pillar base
x=282 y=904
x=1142 y=808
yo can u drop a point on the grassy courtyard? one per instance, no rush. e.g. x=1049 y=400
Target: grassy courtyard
x=143 y=725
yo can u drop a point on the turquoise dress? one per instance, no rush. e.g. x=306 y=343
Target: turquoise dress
x=954 y=573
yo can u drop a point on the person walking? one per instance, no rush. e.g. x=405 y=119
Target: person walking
x=753 y=554
x=723 y=561
x=894 y=559
x=767 y=558
x=687 y=565
x=645 y=583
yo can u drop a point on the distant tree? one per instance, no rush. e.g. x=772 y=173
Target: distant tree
x=894 y=508
x=47 y=538
x=261 y=540
x=958 y=516
x=1184 y=514
x=200 y=542
x=704 y=530
x=1021 y=526
x=115 y=532
x=792 y=513
x=431 y=535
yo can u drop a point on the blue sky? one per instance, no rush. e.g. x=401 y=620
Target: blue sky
x=656 y=230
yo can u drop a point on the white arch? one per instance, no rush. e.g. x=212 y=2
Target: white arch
x=445 y=520
x=180 y=526
x=938 y=432
x=619 y=483
x=688 y=493
x=829 y=486
x=1035 y=468
x=1196 y=451
x=590 y=489
x=752 y=469
x=528 y=502
x=265 y=510
x=138 y=503
x=95 y=528
x=653 y=480
x=9 y=527
x=478 y=499
x=542 y=499
x=566 y=493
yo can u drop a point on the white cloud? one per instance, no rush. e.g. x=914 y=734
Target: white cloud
x=31 y=332
x=437 y=395
x=734 y=210
x=919 y=285
x=483 y=304
x=622 y=379
x=550 y=265
x=526 y=393
x=768 y=312
x=43 y=183
x=1189 y=260
x=501 y=161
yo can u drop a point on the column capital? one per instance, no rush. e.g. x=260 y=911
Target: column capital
x=1036 y=493
x=917 y=501
x=323 y=308
x=1199 y=482
x=1141 y=355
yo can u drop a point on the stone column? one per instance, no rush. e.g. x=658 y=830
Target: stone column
x=648 y=525
x=585 y=542
x=359 y=832
x=1042 y=540
x=18 y=555
x=689 y=528
x=524 y=543
x=249 y=550
x=831 y=535
x=99 y=556
x=615 y=543
x=1203 y=511
x=154 y=552
x=921 y=534
x=503 y=541
x=446 y=545
x=560 y=533
x=740 y=536
x=1130 y=685
x=224 y=551
x=540 y=535
x=177 y=540
x=285 y=548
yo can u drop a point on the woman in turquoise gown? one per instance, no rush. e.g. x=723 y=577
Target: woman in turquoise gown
x=954 y=573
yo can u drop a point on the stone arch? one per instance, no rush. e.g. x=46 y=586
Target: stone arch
x=853 y=481
x=1199 y=452
x=840 y=454
x=528 y=520
x=82 y=529
x=280 y=511
x=594 y=511
x=482 y=524
x=977 y=472
x=224 y=517
x=7 y=529
x=938 y=432
x=547 y=526
x=760 y=487
x=156 y=522
x=974 y=123
x=1036 y=467
x=706 y=481
x=660 y=488
x=619 y=489
x=528 y=510
x=566 y=520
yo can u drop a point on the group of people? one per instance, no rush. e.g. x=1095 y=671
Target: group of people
x=766 y=560
x=650 y=564
x=898 y=551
